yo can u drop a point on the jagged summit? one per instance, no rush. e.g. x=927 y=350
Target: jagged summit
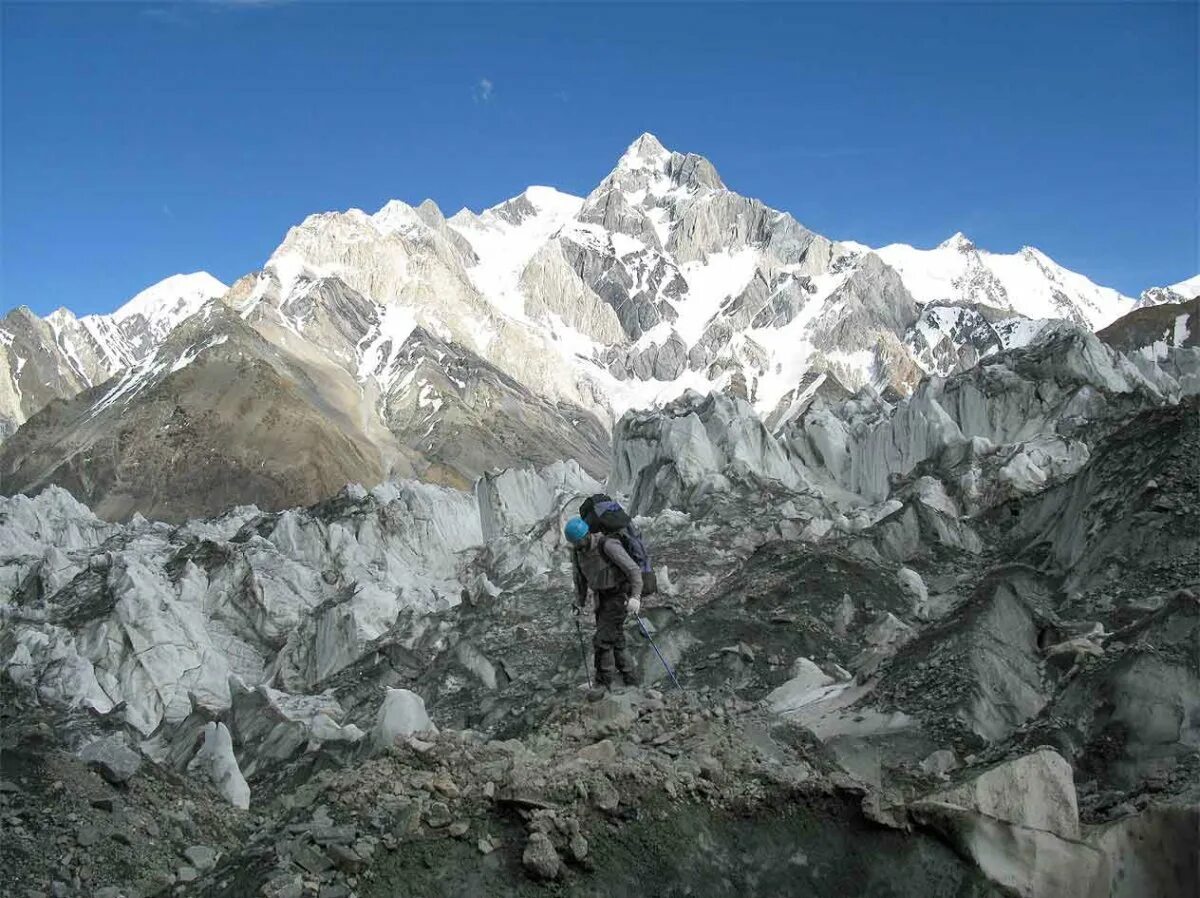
x=645 y=152
x=958 y=241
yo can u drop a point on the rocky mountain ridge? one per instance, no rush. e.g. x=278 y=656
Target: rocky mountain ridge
x=61 y=355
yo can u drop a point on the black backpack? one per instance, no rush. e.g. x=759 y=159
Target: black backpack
x=603 y=514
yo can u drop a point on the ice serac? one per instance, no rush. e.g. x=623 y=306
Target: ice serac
x=695 y=445
x=165 y=618
x=1010 y=399
x=517 y=498
x=1019 y=823
x=216 y=761
x=402 y=713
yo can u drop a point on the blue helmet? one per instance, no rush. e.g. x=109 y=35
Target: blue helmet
x=575 y=530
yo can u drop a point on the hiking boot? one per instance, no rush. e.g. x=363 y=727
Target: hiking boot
x=598 y=692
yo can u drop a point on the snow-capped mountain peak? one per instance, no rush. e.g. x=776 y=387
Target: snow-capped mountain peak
x=1175 y=293
x=647 y=152
x=396 y=215
x=171 y=300
x=959 y=242
x=1027 y=282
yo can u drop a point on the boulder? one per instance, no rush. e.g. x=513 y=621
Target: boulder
x=540 y=858
x=113 y=757
x=1019 y=822
x=912 y=586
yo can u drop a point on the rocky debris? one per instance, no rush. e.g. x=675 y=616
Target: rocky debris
x=202 y=857
x=113 y=757
x=540 y=858
x=69 y=831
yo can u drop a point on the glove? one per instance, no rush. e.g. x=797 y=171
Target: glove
x=633 y=606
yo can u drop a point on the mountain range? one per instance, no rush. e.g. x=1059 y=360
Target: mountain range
x=407 y=344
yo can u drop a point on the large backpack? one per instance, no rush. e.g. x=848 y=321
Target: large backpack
x=603 y=514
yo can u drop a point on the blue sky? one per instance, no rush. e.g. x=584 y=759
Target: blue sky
x=142 y=140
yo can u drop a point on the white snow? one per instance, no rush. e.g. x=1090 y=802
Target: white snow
x=661 y=222
x=396 y=323
x=710 y=283
x=957 y=270
x=192 y=352
x=623 y=244
x=1188 y=288
x=504 y=249
x=790 y=347
x=397 y=216
x=170 y=301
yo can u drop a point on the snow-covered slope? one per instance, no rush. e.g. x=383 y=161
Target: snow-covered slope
x=163 y=306
x=506 y=237
x=1028 y=282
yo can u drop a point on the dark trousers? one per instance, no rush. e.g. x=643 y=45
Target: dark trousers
x=609 y=641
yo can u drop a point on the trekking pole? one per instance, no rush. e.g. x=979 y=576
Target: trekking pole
x=646 y=633
x=583 y=651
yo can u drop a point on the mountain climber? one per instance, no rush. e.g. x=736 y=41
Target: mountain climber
x=601 y=566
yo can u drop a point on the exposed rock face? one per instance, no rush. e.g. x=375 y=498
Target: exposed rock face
x=57 y=357
x=1156 y=328
x=219 y=416
x=243 y=421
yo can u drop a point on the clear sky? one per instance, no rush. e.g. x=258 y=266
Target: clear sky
x=143 y=140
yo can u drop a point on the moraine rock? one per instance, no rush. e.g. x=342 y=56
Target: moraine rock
x=113 y=757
